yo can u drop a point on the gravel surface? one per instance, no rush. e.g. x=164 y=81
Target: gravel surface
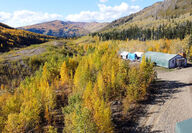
x=172 y=104
x=24 y=53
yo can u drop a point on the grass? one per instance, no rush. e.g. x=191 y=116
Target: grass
x=14 y=70
x=162 y=69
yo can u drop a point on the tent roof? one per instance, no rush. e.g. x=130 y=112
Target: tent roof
x=139 y=53
x=160 y=56
x=161 y=59
x=124 y=53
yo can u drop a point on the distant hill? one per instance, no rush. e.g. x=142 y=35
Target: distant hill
x=11 y=38
x=5 y=26
x=155 y=15
x=65 y=29
x=169 y=19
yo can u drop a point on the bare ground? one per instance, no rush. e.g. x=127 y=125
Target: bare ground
x=172 y=103
x=18 y=55
x=21 y=53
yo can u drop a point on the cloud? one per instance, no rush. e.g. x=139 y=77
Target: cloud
x=26 y=17
x=105 y=13
x=103 y=1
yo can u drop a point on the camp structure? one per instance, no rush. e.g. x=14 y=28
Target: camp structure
x=132 y=56
x=139 y=54
x=184 y=126
x=128 y=56
x=124 y=55
x=166 y=60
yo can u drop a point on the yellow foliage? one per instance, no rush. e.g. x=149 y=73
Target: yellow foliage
x=64 y=73
x=100 y=83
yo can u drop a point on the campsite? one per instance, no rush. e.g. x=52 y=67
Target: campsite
x=96 y=66
x=158 y=58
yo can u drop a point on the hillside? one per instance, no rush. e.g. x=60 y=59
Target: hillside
x=82 y=85
x=65 y=29
x=153 y=16
x=5 y=26
x=11 y=38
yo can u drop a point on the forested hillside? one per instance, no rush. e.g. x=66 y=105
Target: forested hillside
x=153 y=16
x=82 y=85
x=168 y=19
x=11 y=38
x=65 y=29
x=79 y=86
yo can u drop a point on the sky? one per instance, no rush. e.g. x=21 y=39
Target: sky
x=18 y=13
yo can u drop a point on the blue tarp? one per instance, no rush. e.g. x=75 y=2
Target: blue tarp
x=132 y=56
x=184 y=126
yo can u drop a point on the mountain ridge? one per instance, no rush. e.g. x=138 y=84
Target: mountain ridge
x=65 y=28
x=11 y=38
x=162 y=10
x=5 y=26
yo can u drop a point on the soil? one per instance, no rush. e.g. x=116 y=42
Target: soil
x=173 y=105
x=170 y=102
x=24 y=53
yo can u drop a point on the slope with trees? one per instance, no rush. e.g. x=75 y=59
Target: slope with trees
x=11 y=38
x=65 y=29
x=90 y=81
x=166 y=12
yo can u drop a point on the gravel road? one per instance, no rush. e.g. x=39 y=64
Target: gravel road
x=172 y=104
x=23 y=53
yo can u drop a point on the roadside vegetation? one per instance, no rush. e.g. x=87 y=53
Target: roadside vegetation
x=91 y=74
x=72 y=85
x=78 y=79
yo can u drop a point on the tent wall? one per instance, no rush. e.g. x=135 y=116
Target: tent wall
x=163 y=59
x=124 y=55
x=132 y=56
x=139 y=54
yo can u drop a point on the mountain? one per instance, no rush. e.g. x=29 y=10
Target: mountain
x=65 y=29
x=11 y=38
x=5 y=26
x=155 y=15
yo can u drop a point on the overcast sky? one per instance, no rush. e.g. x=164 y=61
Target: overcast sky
x=18 y=13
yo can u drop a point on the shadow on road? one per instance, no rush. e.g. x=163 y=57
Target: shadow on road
x=189 y=65
x=159 y=93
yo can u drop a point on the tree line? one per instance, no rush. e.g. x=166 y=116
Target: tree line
x=179 y=30
x=94 y=80
x=11 y=38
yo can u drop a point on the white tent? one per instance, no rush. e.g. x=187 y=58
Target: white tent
x=139 y=54
x=124 y=55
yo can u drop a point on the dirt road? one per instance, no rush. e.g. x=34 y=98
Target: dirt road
x=172 y=103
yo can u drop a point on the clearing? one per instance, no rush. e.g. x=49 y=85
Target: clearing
x=172 y=102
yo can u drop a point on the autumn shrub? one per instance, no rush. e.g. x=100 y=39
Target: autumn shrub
x=77 y=117
x=24 y=110
x=96 y=78
x=101 y=77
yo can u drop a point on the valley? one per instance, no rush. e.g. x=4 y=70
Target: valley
x=65 y=29
x=96 y=77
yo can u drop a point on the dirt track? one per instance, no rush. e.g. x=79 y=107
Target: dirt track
x=172 y=103
x=23 y=53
